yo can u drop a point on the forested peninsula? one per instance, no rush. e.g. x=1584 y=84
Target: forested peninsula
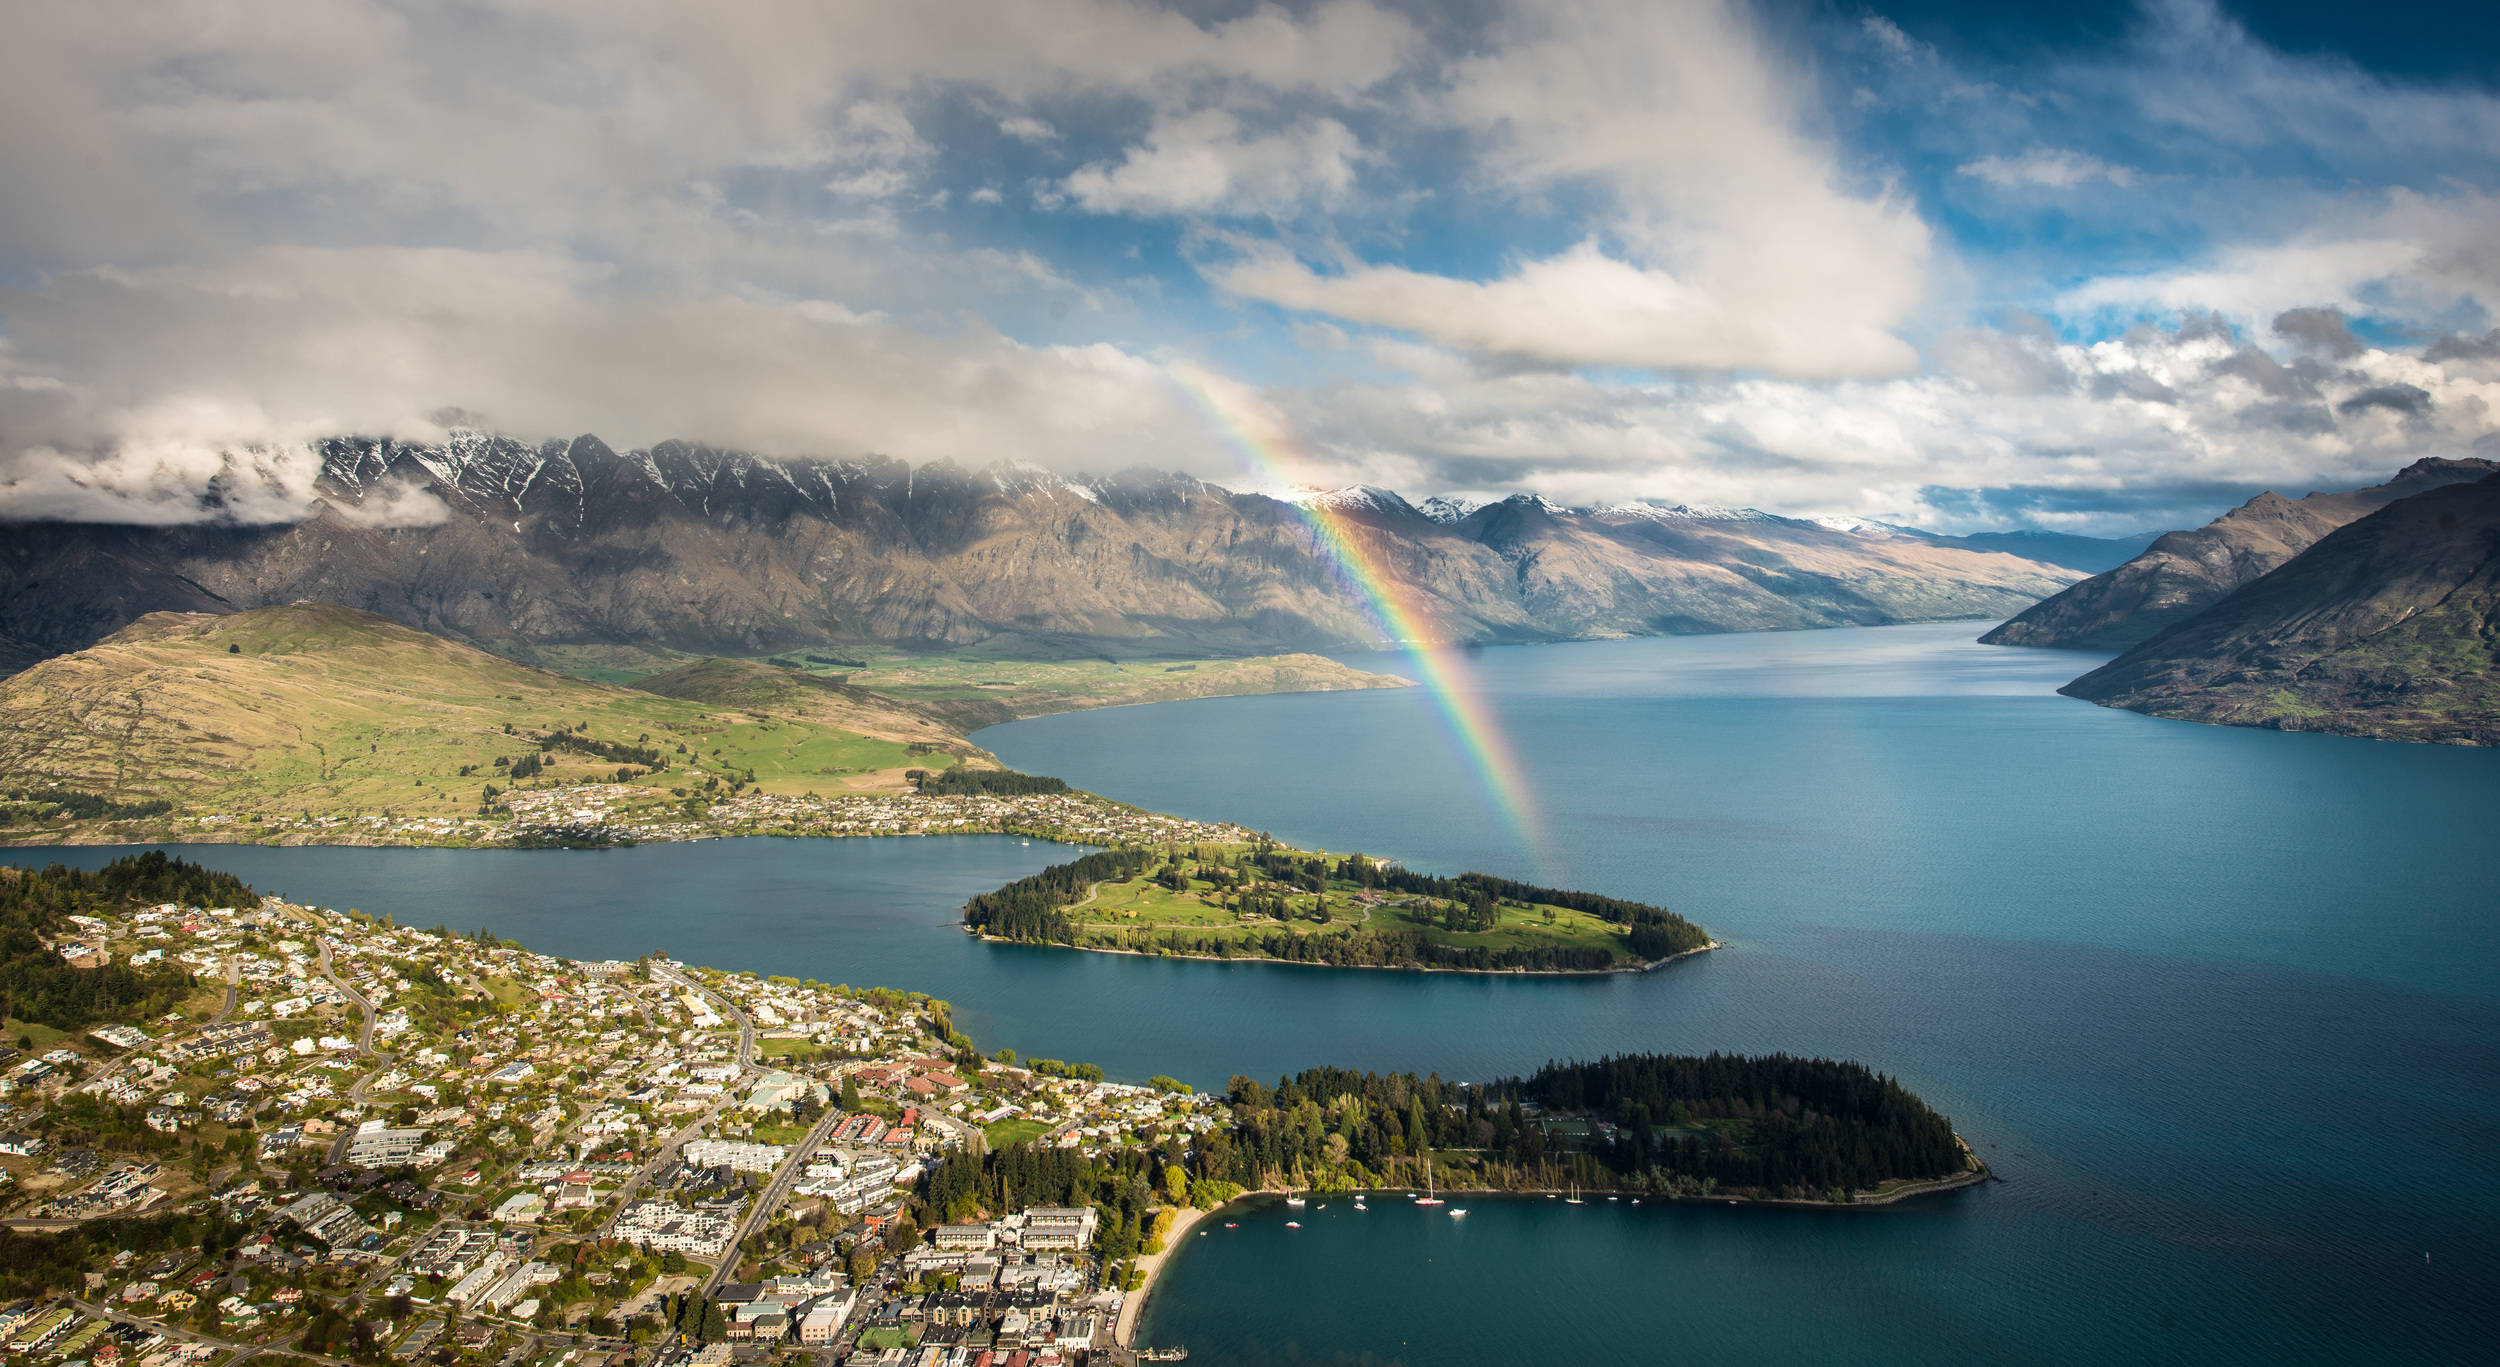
x=1772 y=1128
x=1260 y=900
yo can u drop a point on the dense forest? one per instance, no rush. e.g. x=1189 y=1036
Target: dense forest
x=1723 y=1125
x=1772 y=1125
x=1655 y=932
x=32 y=1264
x=1033 y=910
x=1127 y=1185
x=36 y=984
x=962 y=782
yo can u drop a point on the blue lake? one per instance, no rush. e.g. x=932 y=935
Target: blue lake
x=2220 y=1005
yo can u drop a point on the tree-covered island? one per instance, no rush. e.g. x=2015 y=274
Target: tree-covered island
x=1262 y=900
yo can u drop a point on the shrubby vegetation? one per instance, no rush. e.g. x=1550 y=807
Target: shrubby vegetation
x=43 y=804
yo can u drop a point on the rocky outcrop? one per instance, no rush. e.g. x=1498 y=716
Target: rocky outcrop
x=2388 y=627
x=2183 y=573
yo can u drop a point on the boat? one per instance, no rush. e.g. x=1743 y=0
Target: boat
x=1293 y=1224
x=1456 y=1212
x=1293 y=1200
x=1428 y=1198
x=1230 y=1225
x=1575 y=1197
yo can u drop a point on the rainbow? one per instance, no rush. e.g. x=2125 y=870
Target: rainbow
x=1273 y=453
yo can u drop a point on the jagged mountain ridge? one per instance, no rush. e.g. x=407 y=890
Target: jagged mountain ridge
x=726 y=552
x=2183 y=573
x=2388 y=627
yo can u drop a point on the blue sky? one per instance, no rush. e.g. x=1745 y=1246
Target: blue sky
x=2097 y=267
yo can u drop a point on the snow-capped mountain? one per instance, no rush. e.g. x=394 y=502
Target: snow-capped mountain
x=517 y=545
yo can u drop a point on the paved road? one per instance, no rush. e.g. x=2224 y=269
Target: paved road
x=659 y=1159
x=364 y=1034
x=234 y=980
x=774 y=1194
x=746 y=1023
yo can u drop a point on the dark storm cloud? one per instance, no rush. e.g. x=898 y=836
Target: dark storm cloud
x=2413 y=401
x=2324 y=330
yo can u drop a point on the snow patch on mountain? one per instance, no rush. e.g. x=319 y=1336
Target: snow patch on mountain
x=1869 y=527
x=1449 y=508
x=1682 y=512
x=1354 y=498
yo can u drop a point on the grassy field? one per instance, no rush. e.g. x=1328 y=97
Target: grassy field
x=1136 y=912
x=1012 y=1131
x=323 y=709
x=312 y=711
x=973 y=692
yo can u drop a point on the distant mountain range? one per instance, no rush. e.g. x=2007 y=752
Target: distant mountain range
x=2387 y=627
x=2183 y=573
x=514 y=547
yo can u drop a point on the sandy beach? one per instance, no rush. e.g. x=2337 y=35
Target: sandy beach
x=1134 y=1304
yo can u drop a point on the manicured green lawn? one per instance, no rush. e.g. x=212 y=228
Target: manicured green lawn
x=1013 y=1131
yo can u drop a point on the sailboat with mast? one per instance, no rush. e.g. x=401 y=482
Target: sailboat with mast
x=1428 y=1199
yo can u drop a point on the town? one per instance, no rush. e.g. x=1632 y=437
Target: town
x=624 y=814
x=362 y=1141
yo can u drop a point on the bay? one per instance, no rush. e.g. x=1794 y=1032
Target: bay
x=2220 y=1005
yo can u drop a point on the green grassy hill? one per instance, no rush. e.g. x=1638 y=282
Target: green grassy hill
x=314 y=707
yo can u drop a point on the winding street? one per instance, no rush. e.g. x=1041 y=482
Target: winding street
x=364 y=1043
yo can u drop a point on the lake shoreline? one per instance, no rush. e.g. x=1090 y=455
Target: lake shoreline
x=1645 y=966
x=1150 y=1267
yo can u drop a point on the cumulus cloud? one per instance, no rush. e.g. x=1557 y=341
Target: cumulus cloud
x=2160 y=426
x=1582 y=307
x=2055 y=168
x=1734 y=242
x=2398 y=251
x=1203 y=163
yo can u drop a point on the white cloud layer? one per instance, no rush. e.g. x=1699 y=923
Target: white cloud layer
x=147 y=376
x=2055 y=168
x=1593 y=247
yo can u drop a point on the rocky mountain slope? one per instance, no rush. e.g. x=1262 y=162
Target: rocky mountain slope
x=2388 y=627
x=2183 y=573
x=720 y=552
